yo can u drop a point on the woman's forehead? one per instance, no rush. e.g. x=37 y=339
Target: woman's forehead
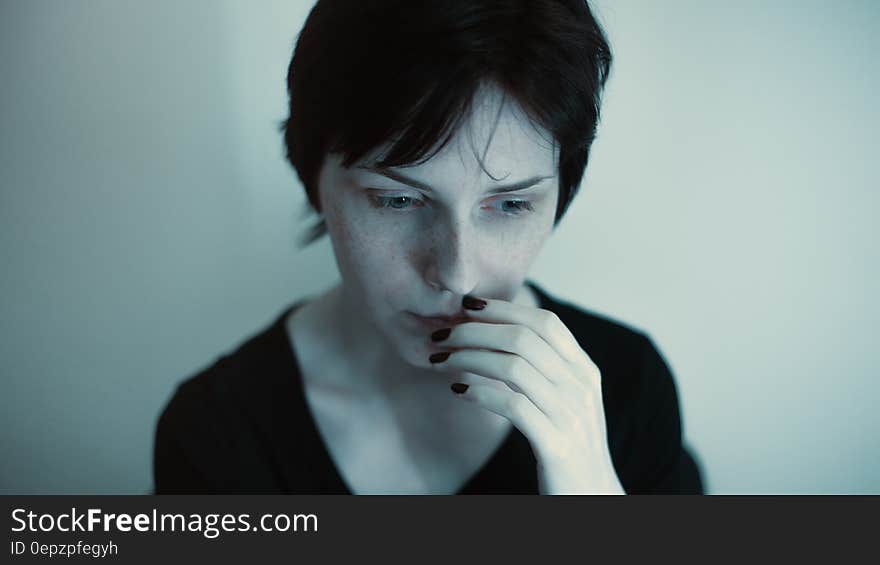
x=496 y=139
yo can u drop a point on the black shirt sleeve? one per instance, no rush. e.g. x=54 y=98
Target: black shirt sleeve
x=186 y=454
x=664 y=465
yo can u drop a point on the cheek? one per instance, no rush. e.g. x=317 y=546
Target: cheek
x=365 y=250
x=514 y=249
x=513 y=260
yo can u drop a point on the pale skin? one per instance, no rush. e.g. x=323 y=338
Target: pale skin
x=553 y=394
x=417 y=240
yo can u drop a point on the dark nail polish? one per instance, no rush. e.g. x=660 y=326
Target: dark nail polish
x=439 y=357
x=472 y=303
x=459 y=388
x=440 y=335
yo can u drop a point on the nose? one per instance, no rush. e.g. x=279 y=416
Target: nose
x=452 y=260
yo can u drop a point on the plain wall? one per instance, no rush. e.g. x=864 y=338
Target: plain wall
x=148 y=223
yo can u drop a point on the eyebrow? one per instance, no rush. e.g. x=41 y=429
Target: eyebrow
x=394 y=175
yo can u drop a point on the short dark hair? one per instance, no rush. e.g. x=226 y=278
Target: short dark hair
x=369 y=72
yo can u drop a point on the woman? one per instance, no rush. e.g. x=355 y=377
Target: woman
x=441 y=143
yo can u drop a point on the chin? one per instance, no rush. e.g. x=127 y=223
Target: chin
x=417 y=354
x=414 y=349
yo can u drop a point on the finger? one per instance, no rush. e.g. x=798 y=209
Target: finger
x=468 y=378
x=544 y=323
x=517 y=408
x=517 y=373
x=518 y=340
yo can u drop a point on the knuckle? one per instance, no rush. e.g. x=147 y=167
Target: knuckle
x=514 y=365
x=549 y=320
x=516 y=403
x=521 y=338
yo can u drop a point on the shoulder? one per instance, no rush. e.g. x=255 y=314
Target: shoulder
x=239 y=376
x=218 y=410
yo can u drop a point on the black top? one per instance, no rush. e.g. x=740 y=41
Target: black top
x=242 y=425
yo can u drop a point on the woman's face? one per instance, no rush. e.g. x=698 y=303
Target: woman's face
x=414 y=240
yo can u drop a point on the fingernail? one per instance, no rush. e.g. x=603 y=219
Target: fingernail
x=440 y=335
x=459 y=388
x=472 y=303
x=439 y=357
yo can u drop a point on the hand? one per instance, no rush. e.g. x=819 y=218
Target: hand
x=553 y=392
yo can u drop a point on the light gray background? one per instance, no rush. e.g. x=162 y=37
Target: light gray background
x=148 y=223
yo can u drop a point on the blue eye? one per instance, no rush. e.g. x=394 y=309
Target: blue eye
x=393 y=202
x=520 y=206
x=400 y=202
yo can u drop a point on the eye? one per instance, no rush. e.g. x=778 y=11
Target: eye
x=394 y=202
x=400 y=202
x=517 y=207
